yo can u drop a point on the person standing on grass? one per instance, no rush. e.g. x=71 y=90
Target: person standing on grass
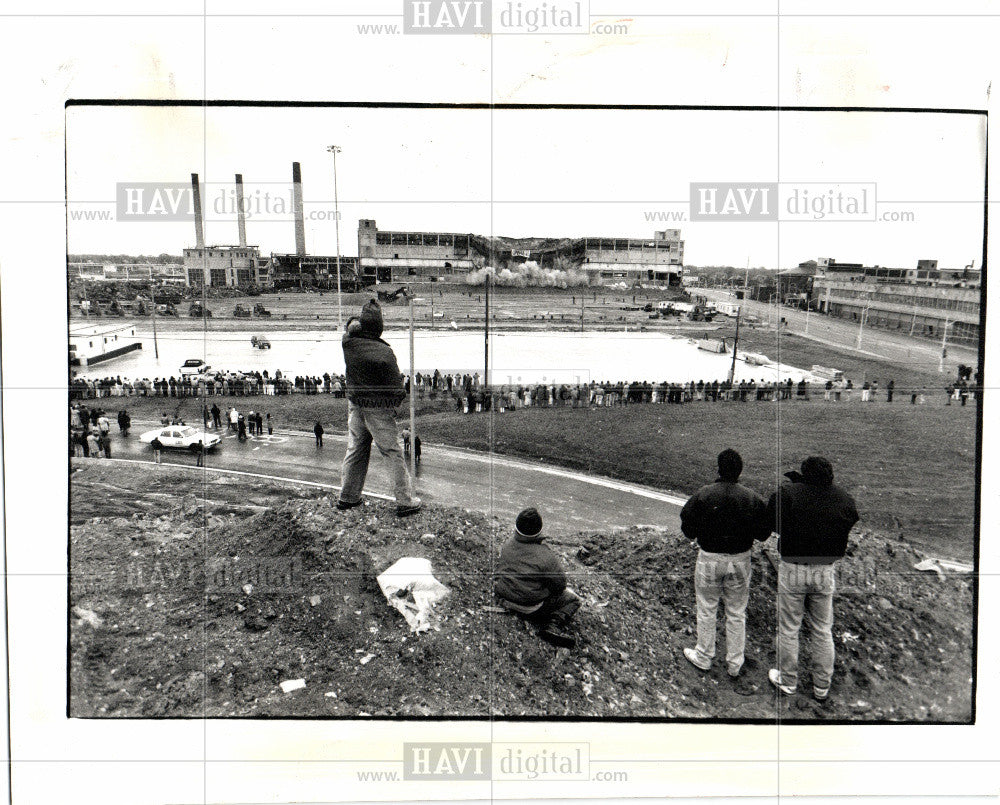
x=374 y=391
x=318 y=431
x=216 y=416
x=270 y=424
x=889 y=388
x=724 y=518
x=157 y=446
x=813 y=518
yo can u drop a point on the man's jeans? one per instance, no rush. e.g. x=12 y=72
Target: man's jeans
x=805 y=593
x=365 y=425
x=725 y=576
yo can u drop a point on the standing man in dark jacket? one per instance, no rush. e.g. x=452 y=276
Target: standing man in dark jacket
x=374 y=390
x=725 y=518
x=813 y=518
x=530 y=581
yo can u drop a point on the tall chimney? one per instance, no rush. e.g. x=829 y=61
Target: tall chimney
x=240 y=210
x=300 y=226
x=199 y=220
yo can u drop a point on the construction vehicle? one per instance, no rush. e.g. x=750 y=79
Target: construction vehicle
x=198 y=310
x=261 y=312
x=392 y=296
x=241 y=312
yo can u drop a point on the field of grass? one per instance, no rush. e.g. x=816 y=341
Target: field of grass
x=911 y=469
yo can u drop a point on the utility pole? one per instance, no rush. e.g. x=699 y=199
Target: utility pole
x=152 y=304
x=486 y=335
x=413 y=403
x=944 y=345
x=736 y=340
x=335 y=149
x=861 y=324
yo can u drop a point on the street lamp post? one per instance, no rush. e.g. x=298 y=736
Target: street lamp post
x=335 y=149
x=944 y=345
x=861 y=324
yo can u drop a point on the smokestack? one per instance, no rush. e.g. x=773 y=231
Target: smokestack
x=240 y=210
x=300 y=226
x=199 y=220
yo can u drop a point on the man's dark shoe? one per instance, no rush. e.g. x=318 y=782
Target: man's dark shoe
x=406 y=511
x=344 y=505
x=551 y=634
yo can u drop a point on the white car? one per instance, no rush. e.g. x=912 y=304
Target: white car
x=181 y=436
x=194 y=366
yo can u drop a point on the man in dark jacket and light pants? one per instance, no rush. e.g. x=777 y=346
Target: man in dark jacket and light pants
x=530 y=581
x=813 y=518
x=374 y=390
x=725 y=518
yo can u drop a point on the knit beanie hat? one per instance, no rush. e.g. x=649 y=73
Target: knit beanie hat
x=529 y=523
x=371 y=319
x=817 y=471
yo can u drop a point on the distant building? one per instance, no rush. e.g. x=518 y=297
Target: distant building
x=170 y=273
x=920 y=301
x=394 y=256
x=403 y=256
x=225 y=266
x=295 y=270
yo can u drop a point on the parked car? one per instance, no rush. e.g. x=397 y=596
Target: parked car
x=194 y=366
x=180 y=436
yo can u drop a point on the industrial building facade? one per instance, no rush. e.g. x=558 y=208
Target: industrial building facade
x=395 y=256
x=919 y=301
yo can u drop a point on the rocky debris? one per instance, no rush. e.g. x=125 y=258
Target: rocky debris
x=321 y=616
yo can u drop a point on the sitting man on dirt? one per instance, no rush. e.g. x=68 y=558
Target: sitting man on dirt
x=813 y=518
x=530 y=581
x=374 y=390
x=724 y=518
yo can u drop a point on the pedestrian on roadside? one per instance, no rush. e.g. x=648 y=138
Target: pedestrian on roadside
x=216 y=416
x=270 y=425
x=416 y=447
x=157 y=446
x=318 y=431
x=94 y=444
x=374 y=391
x=241 y=428
x=105 y=441
x=813 y=518
x=724 y=518
x=198 y=448
x=889 y=388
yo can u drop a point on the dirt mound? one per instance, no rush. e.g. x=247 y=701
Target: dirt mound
x=215 y=608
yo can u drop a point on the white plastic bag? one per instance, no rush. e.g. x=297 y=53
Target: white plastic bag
x=409 y=586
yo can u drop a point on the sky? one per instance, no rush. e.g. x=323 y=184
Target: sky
x=545 y=173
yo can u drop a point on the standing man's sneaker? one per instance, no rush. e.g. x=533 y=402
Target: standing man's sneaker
x=343 y=505
x=820 y=694
x=413 y=508
x=693 y=658
x=774 y=675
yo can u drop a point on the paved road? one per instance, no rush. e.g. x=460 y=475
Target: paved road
x=569 y=501
x=901 y=349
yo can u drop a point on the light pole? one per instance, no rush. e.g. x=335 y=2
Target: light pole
x=861 y=324
x=335 y=149
x=944 y=345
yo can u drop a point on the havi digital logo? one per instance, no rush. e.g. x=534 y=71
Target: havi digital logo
x=447 y=16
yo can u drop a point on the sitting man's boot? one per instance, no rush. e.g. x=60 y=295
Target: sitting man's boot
x=553 y=633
